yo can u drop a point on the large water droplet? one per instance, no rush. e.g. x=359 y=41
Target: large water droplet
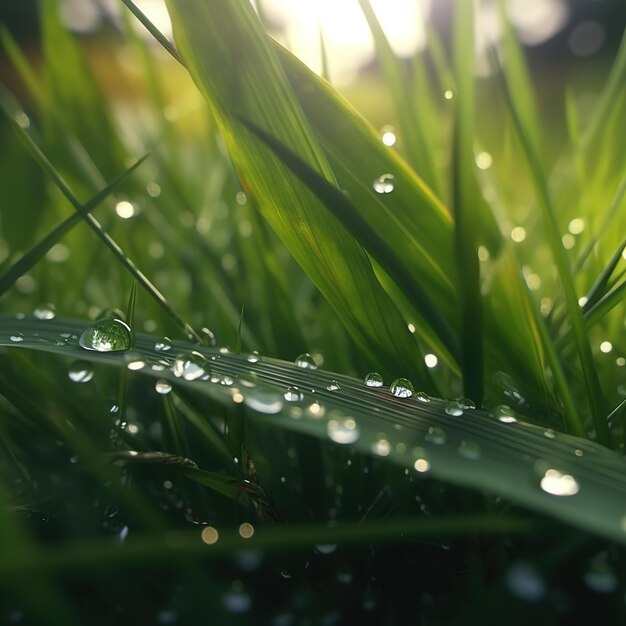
x=17 y=337
x=80 y=372
x=306 y=361
x=558 y=484
x=190 y=367
x=343 y=430
x=465 y=403
x=108 y=334
x=401 y=388
x=384 y=184
x=293 y=394
x=45 y=312
x=436 y=435
x=163 y=386
x=374 y=379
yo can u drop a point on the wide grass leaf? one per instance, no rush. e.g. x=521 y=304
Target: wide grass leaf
x=235 y=66
x=560 y=475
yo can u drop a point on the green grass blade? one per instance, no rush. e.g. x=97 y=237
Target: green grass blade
x=151 y=28
x=234 y=64
x=601 y=286
x=408 y=115
x=474 y=449
x=37 y=252
x=464 y=195
x=592 y=382
x=110 y=243
x=373 y=243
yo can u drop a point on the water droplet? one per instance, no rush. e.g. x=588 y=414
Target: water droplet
x=293 y=394
x=465 y=403
x=469 y=450
x=207 y=336
x=268 y=402
x=306 y=362
x=384 y=184
x=162 y=386
x=401 y=388
x=17 y=337
x=505 y=414
x=253 y=357
x=45 y=312
x=343 y=430
x=108 y=334
x=525 y=582
x=163 y=345
x=558 y=484
x=333 y=385
x=374 y=379
x=136 y=365
x=80 y=372
x=422 y=397
x=381 y=447
x=190 y=367
x=454 y=408
x=436 y=435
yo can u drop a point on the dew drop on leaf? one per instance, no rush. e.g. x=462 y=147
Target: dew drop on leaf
x=384 y=184
x=293 y=394
x=162 y=386
x=454 y=408
x=374 y=379
x=108 y=334
x=80 y=372
x=45 y=312
x=401 y=388
x=306 y=361
x=558 y=484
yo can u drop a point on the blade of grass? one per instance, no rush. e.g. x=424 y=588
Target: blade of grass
x=234 y=64
x=592 y=382
x=37 y=252
x=109 y=242
x=601 y=285
x=155 y=32
x=474 y=449
x=410 y=121
x=373 y=243
x=464 y=194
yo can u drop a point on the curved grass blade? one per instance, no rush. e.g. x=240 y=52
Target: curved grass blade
x=110 y=243
x=407 y=111
x=235 y=66
x=464 y=196
x=183 y=547
x=37 y=252
x=565 y=477
x=601 y=286
x=590 y=374
x=342 y=208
